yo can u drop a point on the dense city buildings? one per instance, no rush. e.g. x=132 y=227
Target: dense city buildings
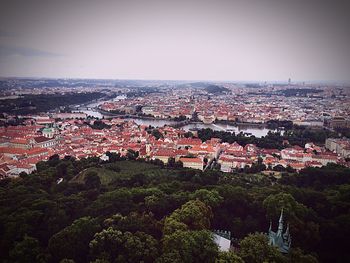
x=102 y=124
x=303 y=105
x=38 y=138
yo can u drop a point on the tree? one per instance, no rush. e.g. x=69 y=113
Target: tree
x=61 y=169
x=190 y=246
x=297 y=255
x=170 y=257
x=210 y=198
x=73 y=241
x=114 y=245
x=109 y=203
x=92 y=180
x=134 y=222
x=254 y=248
x=179 y=164
x=53 y=160
x=194 y=215
x=132 y=155
x=66 y=260
x=113 y=157
x=291 y=208
x=315 y=201
x=25 y=251
x=157 y=134
x=23 y=174
x=228 y=257
x=100 y=261
x=171 y=162
x=113 y=167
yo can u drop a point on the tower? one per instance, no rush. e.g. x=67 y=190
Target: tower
x=279 y=239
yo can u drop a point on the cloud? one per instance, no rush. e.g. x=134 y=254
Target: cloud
x=6 y=51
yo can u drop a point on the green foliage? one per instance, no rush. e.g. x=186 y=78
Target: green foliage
x=113 y=167
x=255 y=249
x=210 y=198
x=215 y=89
x=273 y=140
x=180 y=118
x=190 y=246
x=44 y=102
x=297 y=255
x=99 y=125
x=146 y=201
x=132 y=155
x=194 y=215
x=72 y=242
x=113 y=157
x=114 y=245
x=291 y=208
x=173 y=164
x=92 y=180
x=228 y=257
x=25 y=251
x=65 y=260
x=111 y=203
x=157 y=134
x=319 y=178
x=135 y=222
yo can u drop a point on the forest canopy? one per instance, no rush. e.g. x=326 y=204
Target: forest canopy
x=131 y=211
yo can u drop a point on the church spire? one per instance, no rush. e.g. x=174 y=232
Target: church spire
x=279 y=239
x=281 y=217
x=280 y=224
x=287 y=231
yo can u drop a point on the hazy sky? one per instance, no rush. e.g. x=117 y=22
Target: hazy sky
x=182 y=39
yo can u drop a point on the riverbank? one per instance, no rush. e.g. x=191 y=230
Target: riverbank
x=255 y=129
x=185 y=122
x=236 y=123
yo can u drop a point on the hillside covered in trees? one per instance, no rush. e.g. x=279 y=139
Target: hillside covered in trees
x=215 y=89
x=45 y=102
x=136 y=211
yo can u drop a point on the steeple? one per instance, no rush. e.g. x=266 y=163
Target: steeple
x=279 y=239
x=281 y=217
x=280 y=224
x=287 y=231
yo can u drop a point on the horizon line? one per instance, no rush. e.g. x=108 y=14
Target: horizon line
x=297 y=81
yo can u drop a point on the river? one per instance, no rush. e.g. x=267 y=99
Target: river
x=249 y=130
x=94 y=113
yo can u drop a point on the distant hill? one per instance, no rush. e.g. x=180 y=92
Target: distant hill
x=214 y=89
x=196 y=85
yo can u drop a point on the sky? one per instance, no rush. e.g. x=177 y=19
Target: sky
x=235 y=40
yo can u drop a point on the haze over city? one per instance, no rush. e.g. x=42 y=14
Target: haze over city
x=188 y=40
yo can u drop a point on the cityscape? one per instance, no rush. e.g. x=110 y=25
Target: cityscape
x=162 y=121
x=174 y=131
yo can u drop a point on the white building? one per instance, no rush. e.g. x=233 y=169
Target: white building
x=222 y=240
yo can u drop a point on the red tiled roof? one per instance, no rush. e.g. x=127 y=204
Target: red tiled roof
x=189 y=141
x=191 y=160
x=41 y=139
x=12 y=150
x=165 y=152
